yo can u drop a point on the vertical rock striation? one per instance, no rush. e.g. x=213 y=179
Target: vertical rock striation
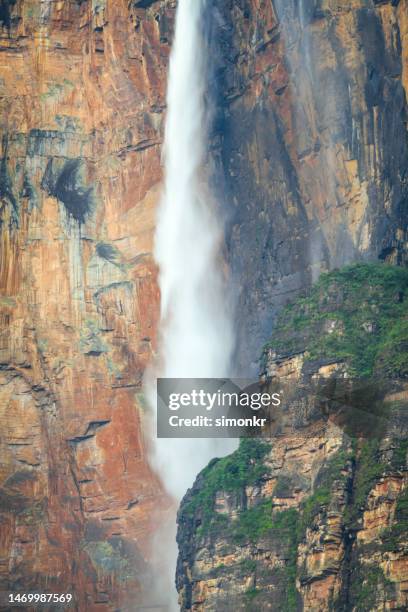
x=81 y=107
x=309 y=147
x=310 y=140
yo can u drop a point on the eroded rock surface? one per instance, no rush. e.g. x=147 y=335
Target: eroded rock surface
x=314 y=516
x=309 y=151
x=82 y=119
x=311 y=143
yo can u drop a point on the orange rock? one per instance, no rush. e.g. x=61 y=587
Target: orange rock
x=81 y=114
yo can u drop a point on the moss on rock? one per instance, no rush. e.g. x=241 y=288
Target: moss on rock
x=242 y=468
x=357 y=314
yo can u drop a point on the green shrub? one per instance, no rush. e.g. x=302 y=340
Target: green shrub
x=393 y=535
x=366 y=304
x=367 y=582
x=252 y=592
x=368 y=471
x=242 y=468
x=248 y=565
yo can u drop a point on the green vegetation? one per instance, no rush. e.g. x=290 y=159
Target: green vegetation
x=253 y=523
x=311 y=508
x=7 y=301
x=220 y=567
x=369 y=470
x=248 y=565
x=321 y=496
x=357 y=314
x=287 y=527
x=242 y=468
x=401 y=510
x=392 y=536
x=252 y=592
x=399 y=456
x=368 y=581
x=259 y=521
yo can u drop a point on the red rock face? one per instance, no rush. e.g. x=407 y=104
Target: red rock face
x=81 y=115
x=81 y=112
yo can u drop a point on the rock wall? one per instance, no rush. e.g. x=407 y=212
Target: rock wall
x=81 y=115
x=314 y=516
x=310 y=140
x=285 y=541
x=308 y=152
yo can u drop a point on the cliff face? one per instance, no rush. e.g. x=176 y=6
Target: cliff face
x=311 y=143
x=81 y=118
x=285 y=541
x=308 y=145
x=314 y=516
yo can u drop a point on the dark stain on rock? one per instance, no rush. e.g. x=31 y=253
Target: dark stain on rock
x=6 y=188
x=39 y=141
x=28 y=191
x=144 y=3
x=5 y=12
x=107 y=251
x=19 y=478
x=68 y=187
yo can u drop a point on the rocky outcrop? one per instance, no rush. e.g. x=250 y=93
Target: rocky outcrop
x=81 y=119
x=310 y=141
x=308 y=181
x=314 y=516
x=322 y=528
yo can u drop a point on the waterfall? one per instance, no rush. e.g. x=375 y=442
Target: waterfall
x=195 y=323
x=195 y=333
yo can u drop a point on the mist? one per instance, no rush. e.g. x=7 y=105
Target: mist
x=196 y=336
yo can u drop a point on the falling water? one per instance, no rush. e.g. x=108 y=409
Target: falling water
x=196 y=328
x=196 y=337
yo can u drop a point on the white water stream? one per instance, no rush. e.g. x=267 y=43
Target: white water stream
x=195 y=335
